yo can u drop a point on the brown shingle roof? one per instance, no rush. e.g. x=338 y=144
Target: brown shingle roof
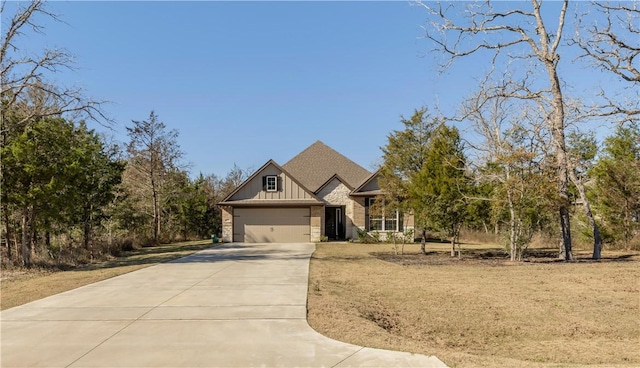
x=319 y=162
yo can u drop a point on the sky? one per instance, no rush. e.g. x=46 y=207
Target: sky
x=245 y=82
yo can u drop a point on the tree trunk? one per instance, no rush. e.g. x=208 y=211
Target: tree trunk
x=565 y=225
x=513 y=235
x=9 y=231
x=25 y=241
x=423 y=244
x=597 y=239
x=88 y=231
x=556 y=126
x=456 y=239
x=513 y=223
x=33 y=244
x=453 y=240
x=87 y=226
x=453 y=246
x=156 y=212
x=395 y=243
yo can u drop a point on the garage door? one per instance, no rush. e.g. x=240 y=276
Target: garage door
x=271 y=225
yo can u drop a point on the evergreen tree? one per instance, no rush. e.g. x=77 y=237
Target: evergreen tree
x=441 y=185
x=617 y=183
x=403 y=158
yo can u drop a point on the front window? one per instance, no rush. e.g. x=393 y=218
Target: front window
x=379 y=220
x=272 y=183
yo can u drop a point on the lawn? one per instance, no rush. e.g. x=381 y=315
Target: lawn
x=481 y=310
x=18 y=286
x=478 y=311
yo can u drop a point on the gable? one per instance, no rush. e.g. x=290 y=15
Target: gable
x=253 y=188
x=314 y=166
x=334 y=192
x=369 y=186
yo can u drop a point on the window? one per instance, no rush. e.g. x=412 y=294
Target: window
x=379 y=220
x=271 y=184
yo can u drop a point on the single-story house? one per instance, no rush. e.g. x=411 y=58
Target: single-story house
x=319 y=194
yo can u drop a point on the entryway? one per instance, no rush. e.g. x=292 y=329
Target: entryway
x=334 y=223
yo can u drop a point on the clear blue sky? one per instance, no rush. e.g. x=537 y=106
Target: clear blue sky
x=244 y=82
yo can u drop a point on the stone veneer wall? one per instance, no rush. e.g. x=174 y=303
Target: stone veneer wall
x=337 y=194
x=316 y=223
x=358 y=216
x=227 y=224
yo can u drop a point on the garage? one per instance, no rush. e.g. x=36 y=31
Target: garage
x=271 y=225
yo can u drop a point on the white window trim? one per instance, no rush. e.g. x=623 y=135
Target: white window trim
x=274 y=183
x=383 y=218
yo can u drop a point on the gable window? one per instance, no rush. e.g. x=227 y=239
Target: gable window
x=379 y=220
x=271 y=183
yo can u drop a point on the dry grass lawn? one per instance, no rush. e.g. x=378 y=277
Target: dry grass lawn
x=481 y=310
x=18 y=287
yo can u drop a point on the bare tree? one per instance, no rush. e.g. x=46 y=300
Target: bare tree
x=24 y=82
x=153 y=154
x=512 y=36
x=609 y=36
x=613 y=44
x=511 y=156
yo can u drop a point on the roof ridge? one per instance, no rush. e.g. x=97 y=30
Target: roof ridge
x=318 y=162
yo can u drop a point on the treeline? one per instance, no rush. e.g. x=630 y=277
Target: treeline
x=530 y=130
x=507 y=187
x=68 y=196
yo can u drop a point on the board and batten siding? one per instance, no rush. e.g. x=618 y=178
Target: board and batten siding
x=288 y=189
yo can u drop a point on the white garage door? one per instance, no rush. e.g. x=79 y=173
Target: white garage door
x=271 y=225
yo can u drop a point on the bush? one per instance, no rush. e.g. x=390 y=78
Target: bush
x=365 y=237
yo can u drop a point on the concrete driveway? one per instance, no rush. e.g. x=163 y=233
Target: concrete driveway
x=235 y=305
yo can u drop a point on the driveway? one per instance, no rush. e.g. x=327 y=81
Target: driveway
x=235 y=305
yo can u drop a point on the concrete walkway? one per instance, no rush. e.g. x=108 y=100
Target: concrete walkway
x=236 y=305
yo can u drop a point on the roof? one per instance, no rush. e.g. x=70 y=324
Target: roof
x=318 y=163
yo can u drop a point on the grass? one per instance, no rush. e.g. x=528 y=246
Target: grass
x=20 y=286
x=481 y=310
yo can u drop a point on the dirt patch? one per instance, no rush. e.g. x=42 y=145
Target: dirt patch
x=492 y=257
x=481 y=310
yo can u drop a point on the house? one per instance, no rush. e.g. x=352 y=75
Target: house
x=319 y=194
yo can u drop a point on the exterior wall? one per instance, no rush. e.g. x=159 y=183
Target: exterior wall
x=288 y=188
x=336 y=193
x=317 y=223
x=408 y=221
x=348 y=229
x=227 y=224
x=359 y=219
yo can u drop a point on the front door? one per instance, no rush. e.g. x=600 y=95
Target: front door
x=334 y=223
